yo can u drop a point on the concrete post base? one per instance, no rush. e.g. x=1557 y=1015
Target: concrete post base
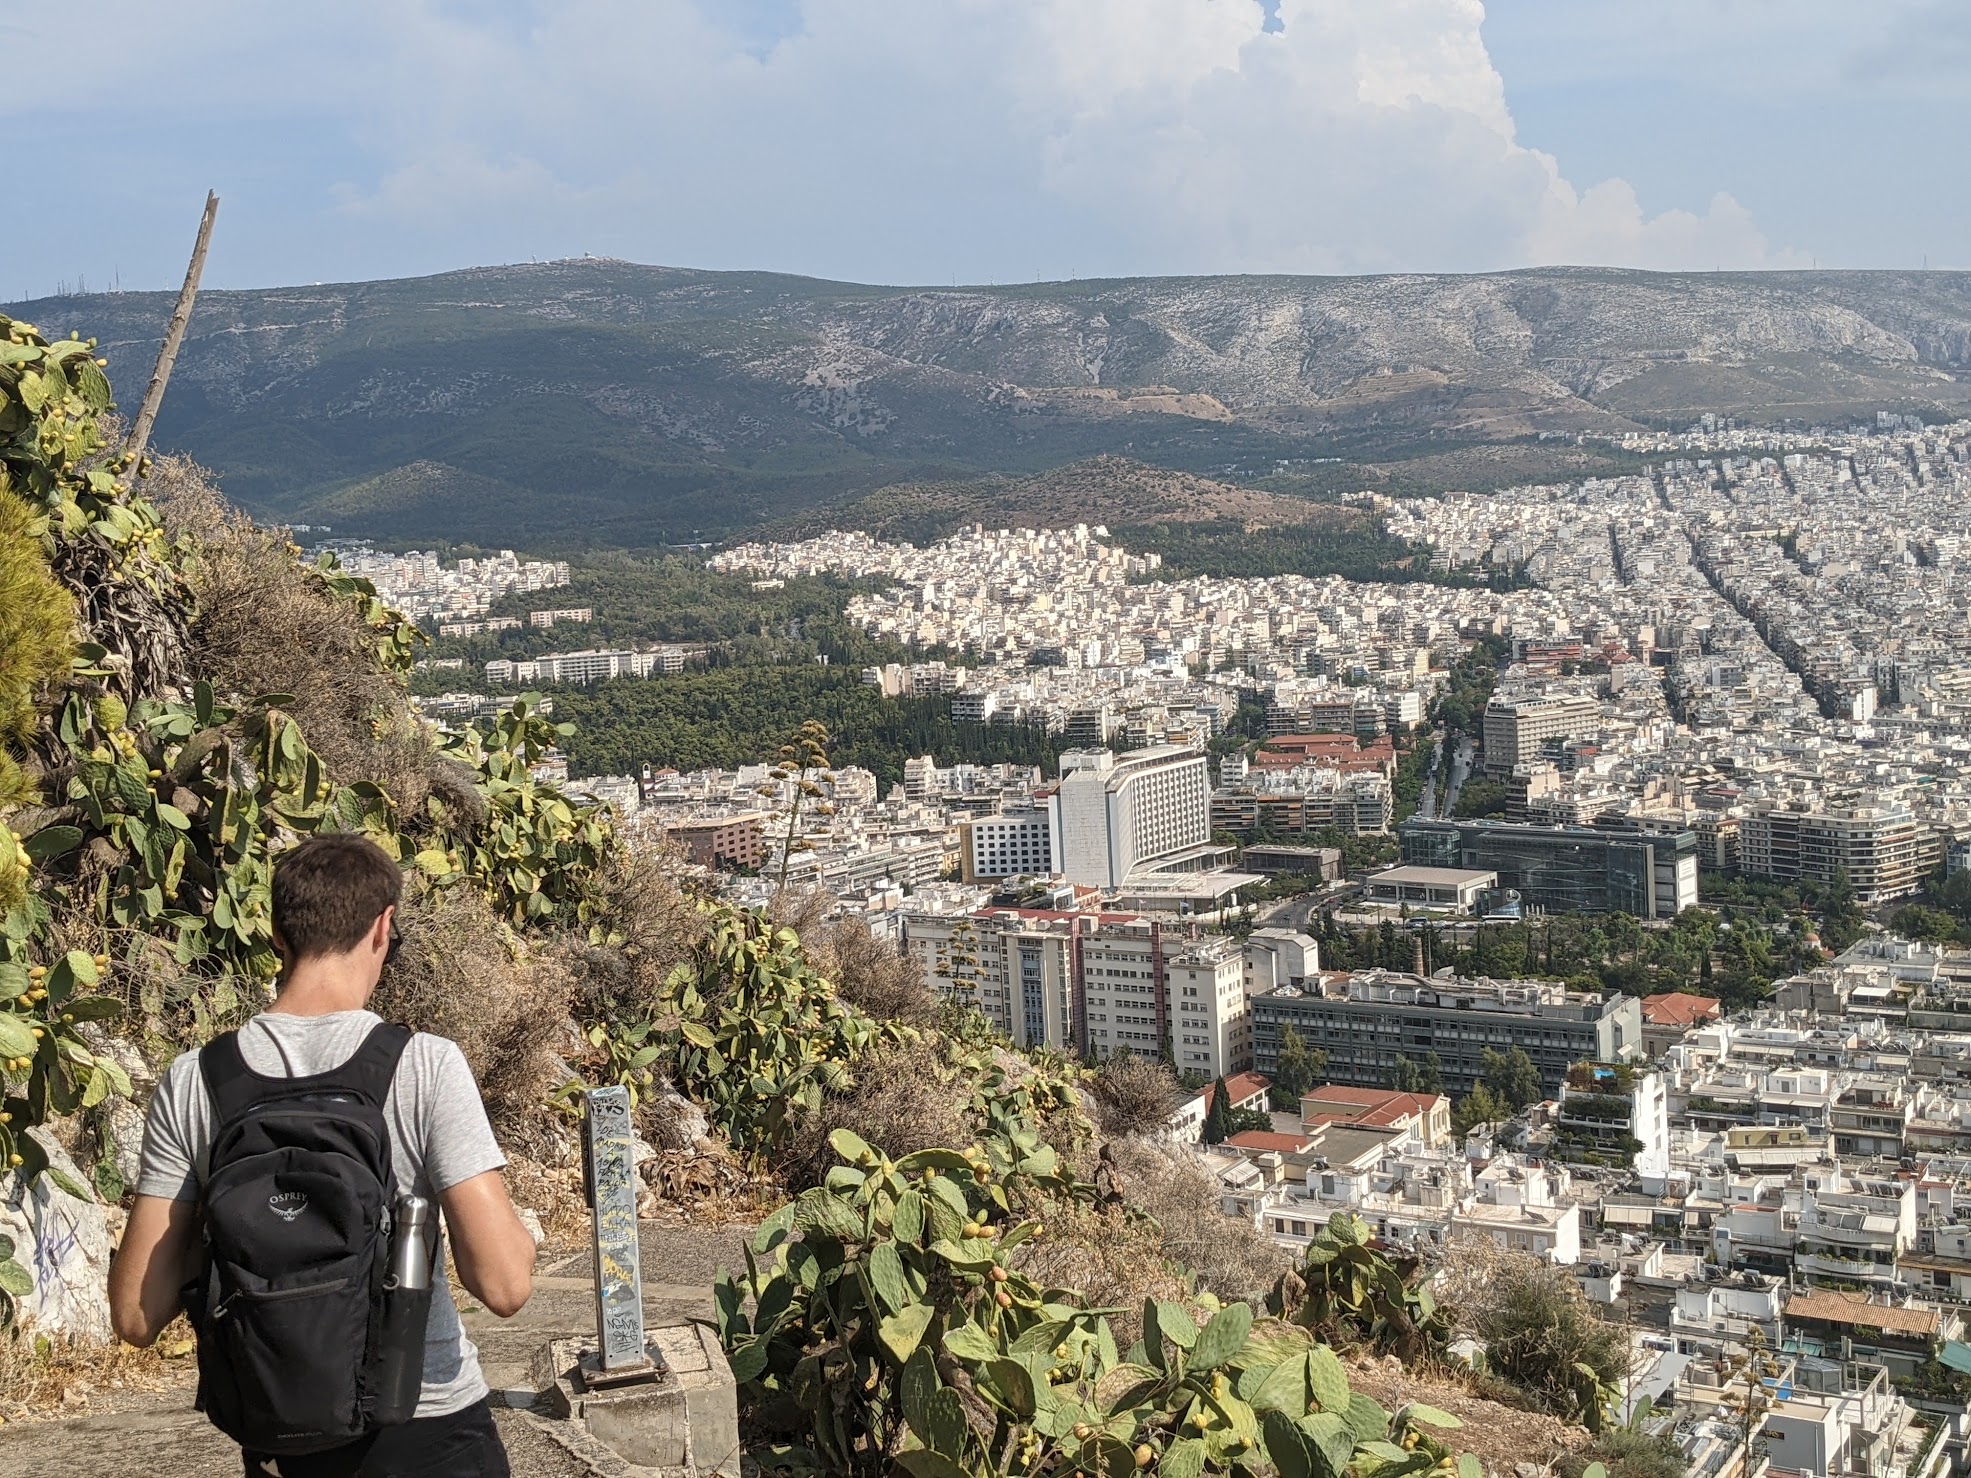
x=682 y=1424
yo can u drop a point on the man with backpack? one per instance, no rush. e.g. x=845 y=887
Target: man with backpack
x=285 y=1197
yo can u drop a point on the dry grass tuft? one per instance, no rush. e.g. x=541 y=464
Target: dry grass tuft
x=43 y=1376
x=903 y=1100
x=1230 y=1257
x=463 y=974
x=1132 y=1095
x=658 y=919
x=266 y=625
x=705 y=1190
x=552 y=1193
x=1114 y=1259
x=871 y=973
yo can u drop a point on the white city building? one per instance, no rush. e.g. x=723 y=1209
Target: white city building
x=1115 y=816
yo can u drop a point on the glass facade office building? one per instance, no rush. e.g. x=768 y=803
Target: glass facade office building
x=1567 y=869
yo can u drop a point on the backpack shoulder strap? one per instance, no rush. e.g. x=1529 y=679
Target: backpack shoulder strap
x=232 y=1085
x=373 y=1067
x=235 y=1087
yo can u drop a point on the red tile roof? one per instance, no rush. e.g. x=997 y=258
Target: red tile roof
x=1371 y=1105
x=1263 y=1141
x=1677 y=1009
x=1834 y=1307
x=1239 y=1088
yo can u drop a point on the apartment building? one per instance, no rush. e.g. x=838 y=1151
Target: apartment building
x=1566 y=869
x=1210 y=1027
x=1515 y=728
x=1305 y=801
x=1007 y=845
x=1114 y=816
x=1612 y=1114
x=1882 y=848
x=591 y=666
x=1093 y=983
x=1368 y=1021
x=731 y=842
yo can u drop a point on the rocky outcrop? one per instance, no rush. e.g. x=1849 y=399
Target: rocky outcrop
x=64 y=1243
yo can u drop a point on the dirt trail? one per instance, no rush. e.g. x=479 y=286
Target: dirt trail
x=156 y=1434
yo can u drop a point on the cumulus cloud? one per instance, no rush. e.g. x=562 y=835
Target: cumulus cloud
x=915 y=139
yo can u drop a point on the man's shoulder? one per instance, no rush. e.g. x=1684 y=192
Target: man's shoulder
x=183 y=1069
x=432 y=1058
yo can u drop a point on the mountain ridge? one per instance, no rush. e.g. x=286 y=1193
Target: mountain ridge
x=602 y=402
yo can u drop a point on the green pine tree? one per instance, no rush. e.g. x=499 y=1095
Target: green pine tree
x=1218 y=1117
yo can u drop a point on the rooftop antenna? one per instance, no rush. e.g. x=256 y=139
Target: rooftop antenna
x=174 y=337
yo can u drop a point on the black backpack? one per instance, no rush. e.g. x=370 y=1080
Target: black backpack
x=291 y=1305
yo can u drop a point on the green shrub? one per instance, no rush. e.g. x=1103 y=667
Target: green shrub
x=889 y=1330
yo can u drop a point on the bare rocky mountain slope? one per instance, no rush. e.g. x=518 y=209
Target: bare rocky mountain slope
x=601 y=402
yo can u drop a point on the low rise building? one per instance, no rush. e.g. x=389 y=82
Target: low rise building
x=1371 y=1021
x=1440 y=890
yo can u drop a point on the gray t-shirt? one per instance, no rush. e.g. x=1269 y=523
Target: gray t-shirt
x=438 y=1137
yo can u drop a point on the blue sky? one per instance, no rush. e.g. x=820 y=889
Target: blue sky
x=987 y=140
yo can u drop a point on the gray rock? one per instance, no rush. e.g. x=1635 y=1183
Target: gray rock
x=531 y=1219
x=64 y=1244
x=679 y=1123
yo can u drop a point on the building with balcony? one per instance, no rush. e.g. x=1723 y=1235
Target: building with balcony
x=1613 y=1114
x=1847 y=1326
x=1516 y=728
x=1094 y=984
x=1115 y=817
x=1882 y=849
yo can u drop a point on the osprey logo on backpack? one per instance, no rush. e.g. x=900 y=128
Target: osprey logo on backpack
x=287 y=1205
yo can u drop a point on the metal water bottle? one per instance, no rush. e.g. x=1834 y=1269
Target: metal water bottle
x=399 y=1368
x=410 y=1257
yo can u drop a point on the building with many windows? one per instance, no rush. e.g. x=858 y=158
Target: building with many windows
x=1010 y=844
x=1116 y=816
x=1370 y=1022
x=1566 y=869
x=1516 y=728
x=1093 y=983
x=1884 y=851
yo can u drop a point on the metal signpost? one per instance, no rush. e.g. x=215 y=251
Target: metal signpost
x=611 y=1157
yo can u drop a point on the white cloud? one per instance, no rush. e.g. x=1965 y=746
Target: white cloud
x=908 y=139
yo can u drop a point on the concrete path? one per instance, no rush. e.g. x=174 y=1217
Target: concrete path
x=158 y=1435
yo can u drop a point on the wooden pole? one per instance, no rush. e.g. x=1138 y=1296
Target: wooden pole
x=174 y=336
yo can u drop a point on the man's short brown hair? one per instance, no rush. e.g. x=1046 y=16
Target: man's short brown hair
x=329 y=892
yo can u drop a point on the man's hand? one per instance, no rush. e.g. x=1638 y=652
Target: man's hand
x=493 y=1253
x=156 y=1260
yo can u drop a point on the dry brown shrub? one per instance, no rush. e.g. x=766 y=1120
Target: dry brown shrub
x=463 y=974
x=870 y=973
x=903 y=1100
x=554 y=1193
x=705 y=1189
x=1113 y=1259
x=42 y=1376
x=1132 y=1095
x=1230 y=1257
x=266 y=625
x=657 y=916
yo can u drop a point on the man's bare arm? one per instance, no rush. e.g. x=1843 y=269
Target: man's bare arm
x=157 y=1258
x=494 y=1254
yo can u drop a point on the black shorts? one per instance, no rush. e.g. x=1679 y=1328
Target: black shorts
x=464 y=1444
